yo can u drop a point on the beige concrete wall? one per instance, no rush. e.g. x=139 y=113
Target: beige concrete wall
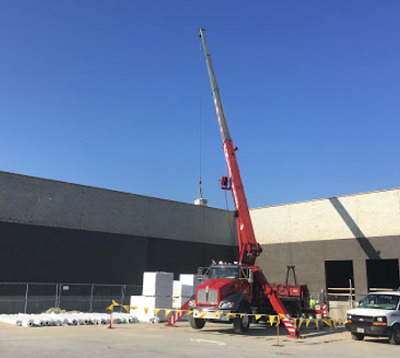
x=375 y=214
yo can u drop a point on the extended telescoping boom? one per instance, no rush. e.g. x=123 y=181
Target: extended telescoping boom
x=249 y=248
x=247 y=240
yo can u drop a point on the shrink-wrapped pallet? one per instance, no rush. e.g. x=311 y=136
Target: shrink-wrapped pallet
x=157 y=284
x=189 y=280
x=147 y=306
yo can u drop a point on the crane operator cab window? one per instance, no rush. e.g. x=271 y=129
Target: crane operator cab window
x=223 y=271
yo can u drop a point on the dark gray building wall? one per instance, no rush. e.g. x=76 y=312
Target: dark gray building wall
x=32 y=253
x=58 y=232
x=52 y=231
x=309 y=259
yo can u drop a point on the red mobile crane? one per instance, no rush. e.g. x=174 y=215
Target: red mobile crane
x=240 y=287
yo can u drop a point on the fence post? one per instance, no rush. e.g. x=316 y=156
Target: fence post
x=122 y=296
x=56 y=297
x=91 y=299
x=58 y=288
x=26 y=297
x=351 y=294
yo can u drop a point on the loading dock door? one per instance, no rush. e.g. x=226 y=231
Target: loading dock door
x=383 y=274
x=338 y=275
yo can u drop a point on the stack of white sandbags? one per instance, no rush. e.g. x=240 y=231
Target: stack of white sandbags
x=156 y=294
x=61 y=319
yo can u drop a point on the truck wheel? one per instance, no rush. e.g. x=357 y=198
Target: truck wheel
x=241 y=324
x=395 y=336
x=295 y=309
x=357 y=336
x=196 y=323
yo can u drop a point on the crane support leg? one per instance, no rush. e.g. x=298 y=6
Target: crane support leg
x=277 y=304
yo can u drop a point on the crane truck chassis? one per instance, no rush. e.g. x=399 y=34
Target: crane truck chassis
x=235 y=294
x=241 y=287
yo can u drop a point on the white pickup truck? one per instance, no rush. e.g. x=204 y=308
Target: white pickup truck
x=378 y=315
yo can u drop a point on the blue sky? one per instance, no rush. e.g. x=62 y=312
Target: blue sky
x=115 y=94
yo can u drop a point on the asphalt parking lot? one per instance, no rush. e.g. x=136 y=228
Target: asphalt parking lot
x=156 y=340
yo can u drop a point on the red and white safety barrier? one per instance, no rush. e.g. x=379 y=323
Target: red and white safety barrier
x=324 y=310
x=288 y=322
x=178 y=315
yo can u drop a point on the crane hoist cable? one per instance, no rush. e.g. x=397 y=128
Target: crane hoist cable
x=200 y=190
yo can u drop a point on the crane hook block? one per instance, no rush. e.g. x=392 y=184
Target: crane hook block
x=226 y=183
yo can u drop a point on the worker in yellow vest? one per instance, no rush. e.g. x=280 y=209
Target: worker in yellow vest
x=311 y=303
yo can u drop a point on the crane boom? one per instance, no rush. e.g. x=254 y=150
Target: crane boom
x=247 y=240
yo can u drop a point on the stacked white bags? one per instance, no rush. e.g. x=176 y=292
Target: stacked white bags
x=63 y=319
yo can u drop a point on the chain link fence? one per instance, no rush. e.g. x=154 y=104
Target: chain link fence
x=31 y=297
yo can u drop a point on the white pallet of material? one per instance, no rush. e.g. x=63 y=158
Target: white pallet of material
x=157 y=283
x=189 y=279
x=178 y=302
x=150 y=304
x=176 y=288
x=181 y=290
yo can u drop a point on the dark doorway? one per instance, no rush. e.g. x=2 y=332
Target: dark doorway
x=383 y=274
x=339 y=279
